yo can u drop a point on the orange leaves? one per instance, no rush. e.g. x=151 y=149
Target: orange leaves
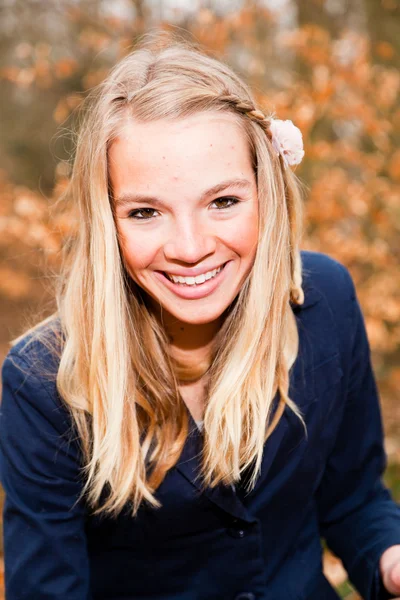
x=311 y=42
x=377 y=333
x=353 y=167
x=20 y=77
x=333 y=569
x=24 y=231
x=394 y=167
x=93 y=78
x=387 y=87
x=322 y=84
x=13 y=284
x=314 y=44
x=92 y=38
x=385 y=50
x=210 y=30
x=24 y=222
x=38 y=68
x=65 y=67
x=65 y=106
x=324 y=203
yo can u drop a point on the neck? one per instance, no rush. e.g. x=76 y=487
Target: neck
x=191 y=349
x=191 y=346
x=188 y=337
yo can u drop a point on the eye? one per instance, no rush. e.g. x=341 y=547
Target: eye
x=226 y=199
x=146 y=214
x=134 y=214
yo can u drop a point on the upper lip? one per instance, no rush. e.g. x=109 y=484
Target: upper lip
x=194 y=272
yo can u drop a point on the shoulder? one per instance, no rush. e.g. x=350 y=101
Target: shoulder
x=40 y=454
x=325 y=277
x=39 y=348
x=30 y=368
x=331 y=313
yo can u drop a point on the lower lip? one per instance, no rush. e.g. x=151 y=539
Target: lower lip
x=193 y=292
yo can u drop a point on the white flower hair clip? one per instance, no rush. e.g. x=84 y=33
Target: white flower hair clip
x=287 y=140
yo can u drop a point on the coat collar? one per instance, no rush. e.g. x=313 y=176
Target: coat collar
x=311 y=297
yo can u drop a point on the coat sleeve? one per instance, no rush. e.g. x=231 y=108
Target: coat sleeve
x=45 y=549
x=357 y=516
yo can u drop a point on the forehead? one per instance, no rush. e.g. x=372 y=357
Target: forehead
x=199 y=149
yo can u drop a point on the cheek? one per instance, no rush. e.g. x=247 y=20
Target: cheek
x=136 y=250
x=244 y=236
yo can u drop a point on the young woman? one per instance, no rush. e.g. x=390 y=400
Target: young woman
x=201 y=409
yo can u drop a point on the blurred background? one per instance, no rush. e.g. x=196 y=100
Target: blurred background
x=332 y=66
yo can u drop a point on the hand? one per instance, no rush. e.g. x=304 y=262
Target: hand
x=389 y=565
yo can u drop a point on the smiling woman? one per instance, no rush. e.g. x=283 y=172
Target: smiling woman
x=185 y=297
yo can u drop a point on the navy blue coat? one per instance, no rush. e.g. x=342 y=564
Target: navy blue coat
x=221 y=544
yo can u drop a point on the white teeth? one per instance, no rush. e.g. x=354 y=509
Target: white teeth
x=194 y=280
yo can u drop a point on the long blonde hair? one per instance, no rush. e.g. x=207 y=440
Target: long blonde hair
x=115 y=373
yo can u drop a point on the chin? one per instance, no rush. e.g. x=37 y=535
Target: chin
x=196 y=319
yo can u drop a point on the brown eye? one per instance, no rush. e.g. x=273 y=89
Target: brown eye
x=134 y=214
x=227 y=202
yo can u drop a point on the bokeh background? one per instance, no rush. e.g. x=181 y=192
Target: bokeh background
x=332 y=66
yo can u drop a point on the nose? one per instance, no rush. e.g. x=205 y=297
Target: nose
x=189 y=241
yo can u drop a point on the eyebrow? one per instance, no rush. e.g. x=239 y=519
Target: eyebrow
x=125 y=199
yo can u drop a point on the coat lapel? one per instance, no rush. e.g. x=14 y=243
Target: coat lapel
x=189 y=466
x=225 y=497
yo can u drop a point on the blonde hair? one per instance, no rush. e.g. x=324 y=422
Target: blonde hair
x=115 y=373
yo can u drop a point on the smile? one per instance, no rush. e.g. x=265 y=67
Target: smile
x=190 y=289
x=198 y=280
